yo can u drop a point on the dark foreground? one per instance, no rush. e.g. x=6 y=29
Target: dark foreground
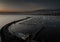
x=47 y=29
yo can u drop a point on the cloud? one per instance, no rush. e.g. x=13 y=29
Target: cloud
x=22 y=6
x=26 y=5
x=17 y=1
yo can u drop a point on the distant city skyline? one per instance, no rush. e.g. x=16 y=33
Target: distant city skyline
x=27 y=5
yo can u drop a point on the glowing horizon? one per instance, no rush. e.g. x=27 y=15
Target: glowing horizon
x=27 y=5
x=4 y=7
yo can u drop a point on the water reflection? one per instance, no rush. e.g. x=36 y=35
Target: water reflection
x=4 y=19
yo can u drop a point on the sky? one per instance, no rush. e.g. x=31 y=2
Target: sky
x=28 y=5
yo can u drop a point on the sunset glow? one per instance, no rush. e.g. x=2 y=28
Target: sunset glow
x=27 y=5
x=4 y=7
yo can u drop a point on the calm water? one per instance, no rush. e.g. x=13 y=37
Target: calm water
x=4 y=19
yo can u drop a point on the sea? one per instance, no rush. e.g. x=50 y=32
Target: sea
x=5 y=19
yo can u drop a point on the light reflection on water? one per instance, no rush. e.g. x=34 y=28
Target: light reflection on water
x=4 y=19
